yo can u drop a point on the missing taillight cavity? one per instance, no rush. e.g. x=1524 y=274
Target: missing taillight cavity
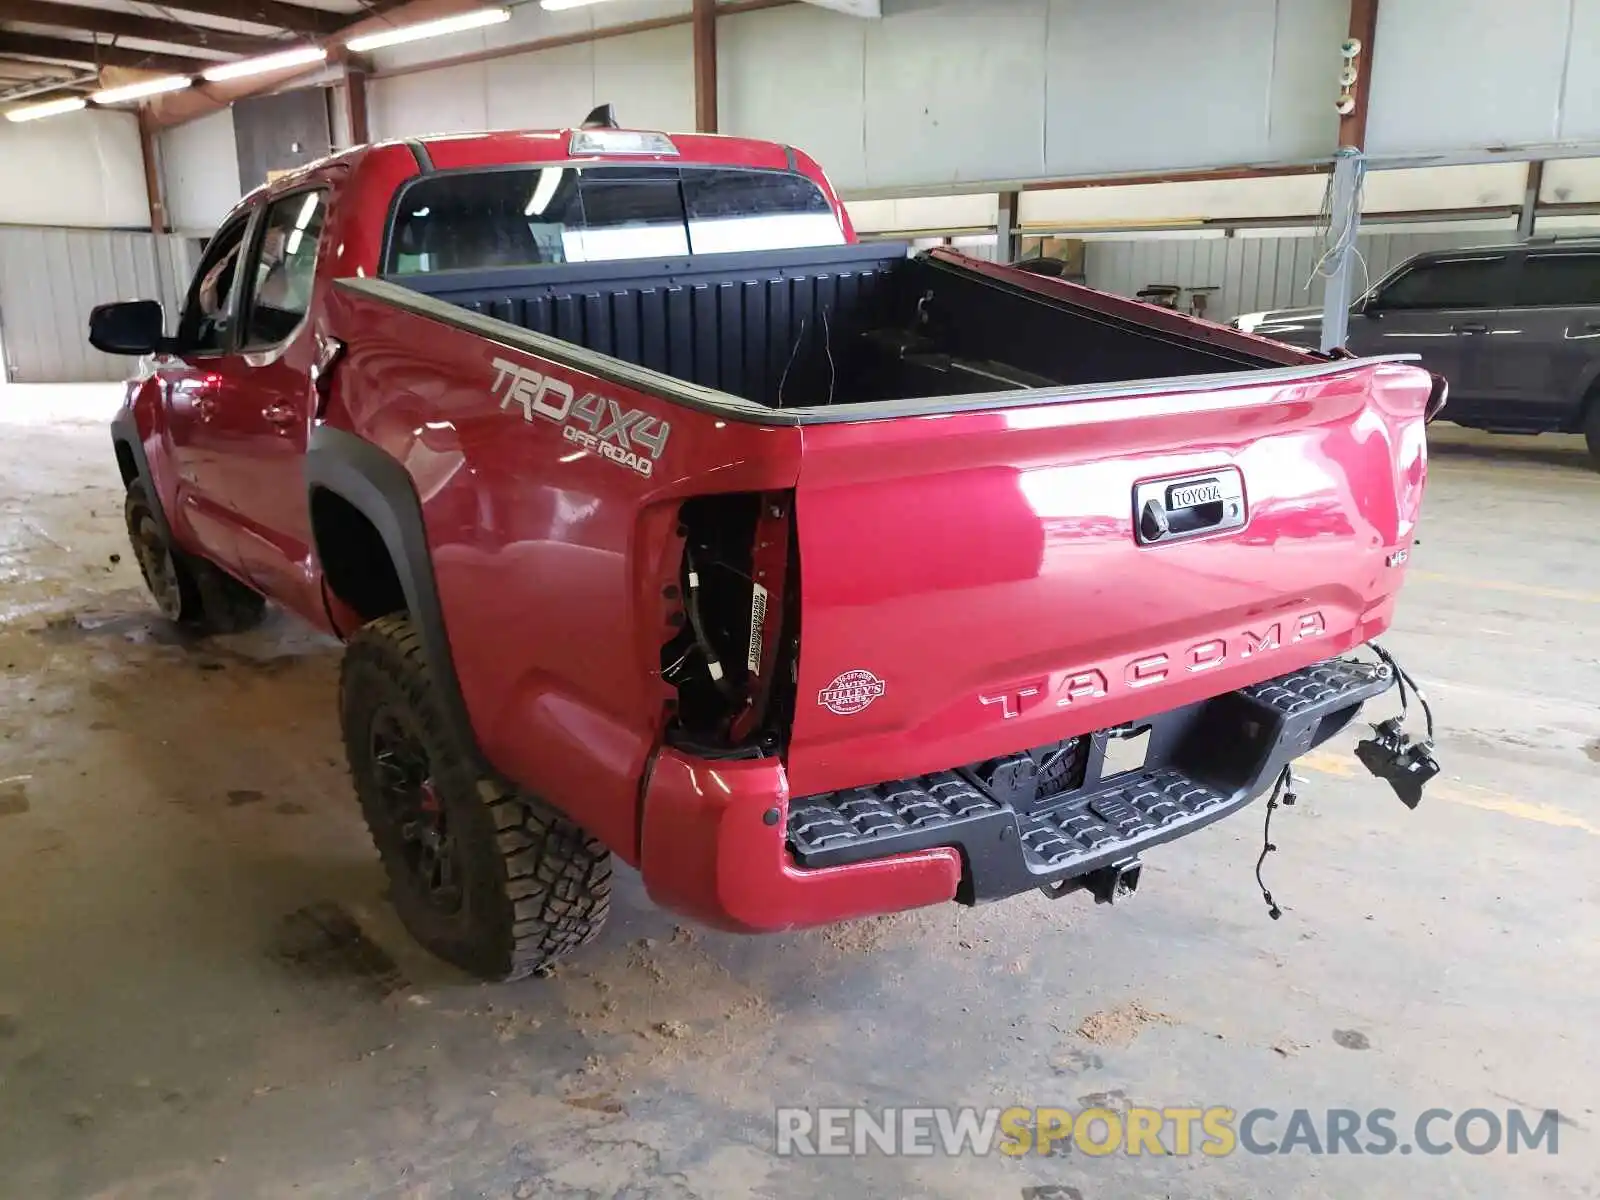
x=731 y=659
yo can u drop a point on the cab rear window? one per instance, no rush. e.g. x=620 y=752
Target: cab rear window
x=560 y=214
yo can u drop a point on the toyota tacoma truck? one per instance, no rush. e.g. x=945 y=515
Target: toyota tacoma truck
x=662 y=519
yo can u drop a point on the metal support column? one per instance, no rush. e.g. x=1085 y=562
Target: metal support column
x=705 y=66
x=1530 y=201
x=1006 y=228
x=154 y=193
x=1344 y=224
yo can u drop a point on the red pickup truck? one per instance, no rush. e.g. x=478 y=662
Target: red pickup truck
x=662 y=519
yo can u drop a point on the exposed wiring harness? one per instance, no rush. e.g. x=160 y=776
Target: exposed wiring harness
x=701 y=639
x=1404 y=680
x=1282 y=793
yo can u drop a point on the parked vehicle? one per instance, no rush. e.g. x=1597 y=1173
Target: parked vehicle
x=662 y=520
x=1514 y=329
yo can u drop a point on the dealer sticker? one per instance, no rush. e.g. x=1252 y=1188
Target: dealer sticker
x=851 y=693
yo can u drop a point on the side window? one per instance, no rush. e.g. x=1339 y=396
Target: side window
x=1559 y=280
x=631 y=218
x=1447 y=283
x=204 y=326
x=284 y=268
x=757 y=210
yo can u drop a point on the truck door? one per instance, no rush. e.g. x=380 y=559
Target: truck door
x=1442 y=309
x=255 y=442
x=192 y=382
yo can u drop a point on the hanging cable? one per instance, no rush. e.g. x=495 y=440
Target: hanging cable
x=1283 y=788
x=1342 y=240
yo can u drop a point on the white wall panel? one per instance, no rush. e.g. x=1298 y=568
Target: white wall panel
x=84 y=170
x=1580 y=101
x=941 y=92
x=1303 y=122
x=1143 y=84
x=648 y=77
x=551 y=89
x=924 y=212
x=955 y=93
x=1453 y=75
x=1152 y=203
x=200 y=171
x=1484 y=185
x=798 y=75
x=1570 y=181
x=452 y=100
x=529 y=23
x=51 y=278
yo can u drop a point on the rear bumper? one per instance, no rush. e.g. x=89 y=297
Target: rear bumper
x=723 y=843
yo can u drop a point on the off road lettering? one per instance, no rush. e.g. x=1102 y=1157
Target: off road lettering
x=629 y=437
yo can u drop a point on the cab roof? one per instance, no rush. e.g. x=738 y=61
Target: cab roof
x=454 y=151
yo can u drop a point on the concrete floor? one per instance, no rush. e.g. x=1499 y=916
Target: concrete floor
x=203 y=993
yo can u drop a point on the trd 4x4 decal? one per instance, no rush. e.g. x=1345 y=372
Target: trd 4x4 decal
x=624 y=435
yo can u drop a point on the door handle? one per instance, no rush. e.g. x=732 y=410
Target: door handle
x=280 y=414
x=1470 y=327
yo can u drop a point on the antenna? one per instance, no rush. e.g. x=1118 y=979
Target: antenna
x=602 y=117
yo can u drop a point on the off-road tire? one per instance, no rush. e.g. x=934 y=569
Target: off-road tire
x=1591 y=431
x=186 y=589
x=534 y=885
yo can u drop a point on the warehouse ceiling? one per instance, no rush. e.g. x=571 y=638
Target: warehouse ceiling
x=68 y=44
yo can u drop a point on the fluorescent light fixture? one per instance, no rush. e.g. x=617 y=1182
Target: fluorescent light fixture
x=560 y=5
x=138 y=91
x=50 y=108
x=619 y=141
x=429 y=29
x=298 y=57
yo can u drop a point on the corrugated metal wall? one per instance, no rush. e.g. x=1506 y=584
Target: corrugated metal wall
x=1254 y=273
x=51 y=278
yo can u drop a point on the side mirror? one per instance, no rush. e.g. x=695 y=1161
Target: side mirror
x=132 y=327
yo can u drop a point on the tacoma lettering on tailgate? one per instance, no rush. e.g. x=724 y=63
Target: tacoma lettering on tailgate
x=596 y=423
x=1202 y=656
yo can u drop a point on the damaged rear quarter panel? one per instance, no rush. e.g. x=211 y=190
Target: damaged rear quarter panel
x=549 y=555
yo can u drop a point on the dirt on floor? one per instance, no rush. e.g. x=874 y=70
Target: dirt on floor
x=204 y=993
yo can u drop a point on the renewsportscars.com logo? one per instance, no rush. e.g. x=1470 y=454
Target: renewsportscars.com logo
x=1214 y=1132
x=627 y=436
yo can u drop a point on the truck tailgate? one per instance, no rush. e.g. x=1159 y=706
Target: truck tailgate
x=976 y=583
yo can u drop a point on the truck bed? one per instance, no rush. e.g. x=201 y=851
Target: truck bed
x=850 y=325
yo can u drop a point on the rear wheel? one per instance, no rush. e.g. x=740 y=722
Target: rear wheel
x=187 y=590
x=1591 y=432
x=487 y=878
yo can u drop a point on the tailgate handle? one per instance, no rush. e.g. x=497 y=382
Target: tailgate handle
x=1169 y=510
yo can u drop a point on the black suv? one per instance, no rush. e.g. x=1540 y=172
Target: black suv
x=1514 y=329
